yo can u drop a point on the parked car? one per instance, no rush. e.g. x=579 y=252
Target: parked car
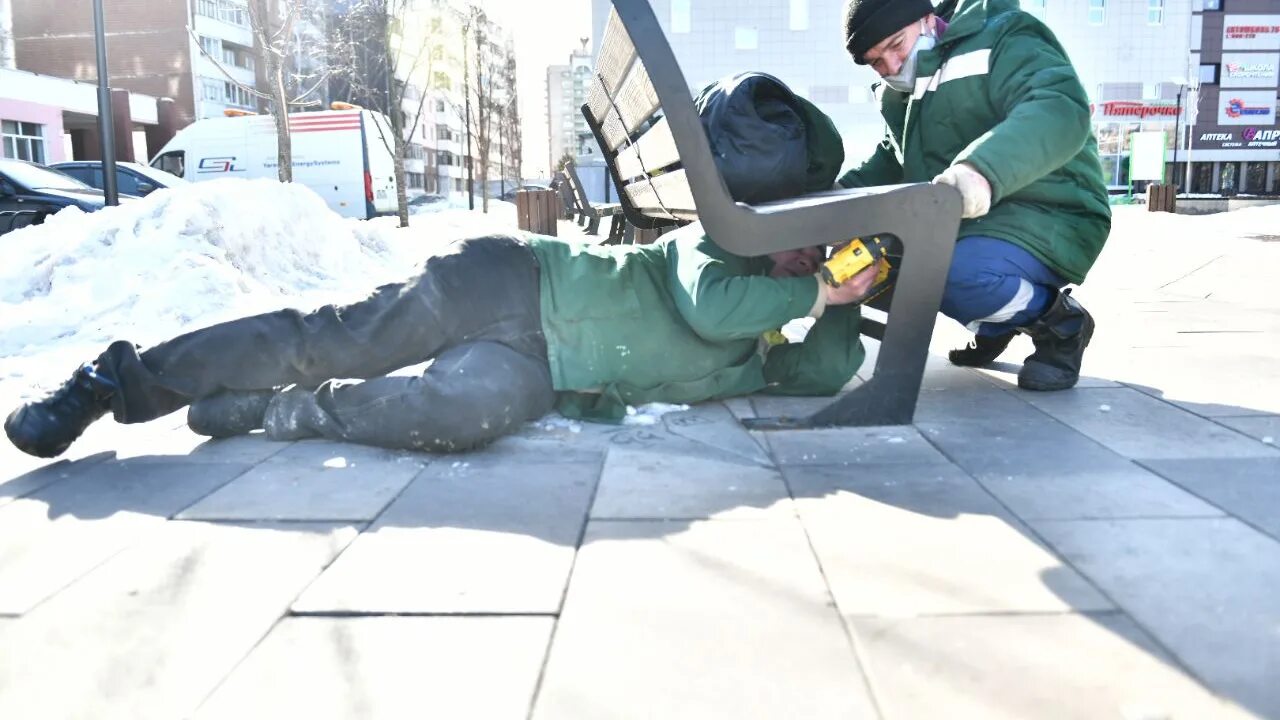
x=510 y=195
x=31 y=192
x=131 y=178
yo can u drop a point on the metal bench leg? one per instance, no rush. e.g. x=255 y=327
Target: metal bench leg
x=889 y=397
x=593 y=226
x=615 y=230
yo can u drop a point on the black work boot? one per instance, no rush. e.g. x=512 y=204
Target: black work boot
x=230 y=413
x=46 y=428
x=1060 y=336
x=981 y=351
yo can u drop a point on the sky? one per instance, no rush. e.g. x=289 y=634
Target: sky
x=545 y=31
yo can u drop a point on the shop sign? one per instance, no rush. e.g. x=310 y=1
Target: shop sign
x=1247 y=107
x=1261 y=138
x=1250 y=137
x=1131 y=109
x=1249 y=70
x=1251 y=32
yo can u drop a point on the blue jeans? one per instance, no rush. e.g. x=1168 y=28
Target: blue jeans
x=995 y=287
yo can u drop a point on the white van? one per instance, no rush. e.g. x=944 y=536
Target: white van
x=340 y=154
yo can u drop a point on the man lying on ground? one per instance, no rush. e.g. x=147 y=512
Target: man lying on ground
x=515 y=328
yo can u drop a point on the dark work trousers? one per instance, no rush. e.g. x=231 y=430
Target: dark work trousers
x=995 y=287
x=474 y=310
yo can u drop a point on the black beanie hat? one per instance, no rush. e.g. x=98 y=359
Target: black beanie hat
x=867 y=22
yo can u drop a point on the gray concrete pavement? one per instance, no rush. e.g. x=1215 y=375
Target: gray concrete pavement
x=1110 y=551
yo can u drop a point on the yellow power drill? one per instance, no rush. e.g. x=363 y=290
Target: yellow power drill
x=853 y=259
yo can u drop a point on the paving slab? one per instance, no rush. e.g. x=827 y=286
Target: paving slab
x=314 y=480
x=1262 y=427
x=1114 y=489
x=852 y=446
x=662 y=485
x=1248 y=488
x=978 y=400
x=1041 y=468
x=716 y=620
x=906 y=540
x=1013 y=667
x=1139 y=426
x=387 y=667
x=466 y=537
x=715 y=426
x=1206 y=589
x=29 y=477
x=151 y=633
x=51 y=537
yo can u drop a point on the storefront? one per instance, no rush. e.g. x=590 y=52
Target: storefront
x=1233 y=142
x=1115 y=121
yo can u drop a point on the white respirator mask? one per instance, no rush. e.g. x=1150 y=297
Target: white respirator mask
x=905 y=79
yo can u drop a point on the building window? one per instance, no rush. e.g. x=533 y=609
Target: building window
x=1097 y=11
x=23 y=140
x=1209 y=74
x=414 y=180
x=237 y=95
x=233 y=12
x=1155 y=12
x=799 y=14
x=212 y=90
x=681 y=16
x=746 y=38
x=207 y=8
x=1212 y=4
x=1255 y=177
x=211 y=45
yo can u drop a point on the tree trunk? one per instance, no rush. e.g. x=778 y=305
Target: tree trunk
x=284 y=144
x=402 y=199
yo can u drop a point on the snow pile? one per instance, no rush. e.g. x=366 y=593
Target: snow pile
x=189 y=257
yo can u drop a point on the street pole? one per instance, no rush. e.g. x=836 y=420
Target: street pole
x=1177 y=128
x=1193 y=99
x=106 y=126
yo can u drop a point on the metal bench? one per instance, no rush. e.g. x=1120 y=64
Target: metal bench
x=592 y=212
x=640 y=109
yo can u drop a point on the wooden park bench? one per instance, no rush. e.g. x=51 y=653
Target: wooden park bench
x=592 y=212
x=640 y=109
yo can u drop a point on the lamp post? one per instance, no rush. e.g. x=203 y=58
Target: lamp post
x=1177 y=127
x=106 y=126
x=1193 y=100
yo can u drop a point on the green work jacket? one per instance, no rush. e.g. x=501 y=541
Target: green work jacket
x=680 y=321
x=999 y=93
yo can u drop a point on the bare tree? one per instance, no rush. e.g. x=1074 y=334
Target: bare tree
x=512 y=145
x=385 y=53
x=273 y=37
x=483 y=71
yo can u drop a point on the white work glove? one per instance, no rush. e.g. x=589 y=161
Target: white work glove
x=974 y=189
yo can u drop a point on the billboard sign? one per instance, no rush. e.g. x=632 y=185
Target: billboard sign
x=1251 y=32
x=1249 y=70
x=1247 y=107
x=1146 y=155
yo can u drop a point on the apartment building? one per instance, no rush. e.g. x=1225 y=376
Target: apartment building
x=567 y=87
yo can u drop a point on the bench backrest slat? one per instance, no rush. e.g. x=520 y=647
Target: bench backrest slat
x=654 y=151
x=667 y=195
